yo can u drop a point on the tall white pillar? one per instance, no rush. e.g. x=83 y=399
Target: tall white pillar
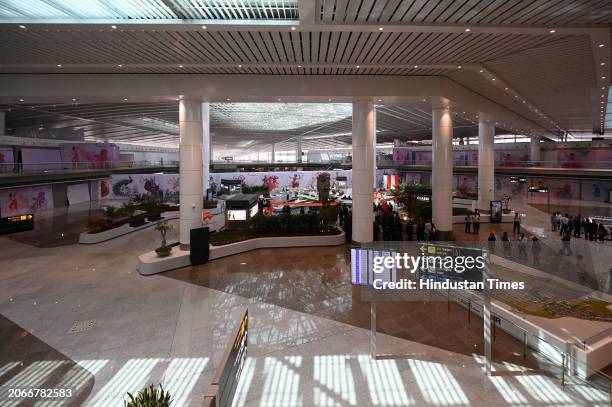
x=298 y=151
x=190 y=168
x=364 y=133
x=206 y=144
x=535 y=155
x=2 y=124
x=442 y=167
x=273 y=158
x=486 y=160
x=374 y=165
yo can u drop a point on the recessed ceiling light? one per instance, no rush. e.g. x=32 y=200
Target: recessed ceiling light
x=279 y=99
x=21 y=100
x=601 y=45
x=481 y=71
x=228 y=99
x=552 y=31
x=292 y=28
x=357 y=67
x=22 y=26
x=239 y=66
x=603 y=77
x=380 y=100
x=59 y=65
x=299 y=66
x=125 y=99
x=113 y=27
x=180 y=66
x=204 y=27
x=467 y=30
x=416 y=66
x=329 y=100
x=120 y=65
x=73 y=99
x=505 y=88
x=459 y=67
x=380 y=28
x=424 y=100
x=492 y=79
x=602 y=64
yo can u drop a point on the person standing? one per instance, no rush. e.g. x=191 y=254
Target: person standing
x=565 y=241
x=553 y=222
x=577 y=223
x=516 y=224
x=427 y=230
x=536 y=248
x=476 y=223
x=468 y=223
x=410 y=229
x=507 y=245
x=492 y=242
x=522 y=247
x=601 y=232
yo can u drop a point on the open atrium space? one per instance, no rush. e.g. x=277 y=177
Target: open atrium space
x=306 y=203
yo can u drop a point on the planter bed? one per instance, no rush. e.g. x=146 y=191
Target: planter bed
x=123 y=229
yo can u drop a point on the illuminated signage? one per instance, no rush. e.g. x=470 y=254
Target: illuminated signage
x=16 y=223
x=534 y=188
x=236 y=214
x=522 y=180
x=423 y=198
x=254 y=210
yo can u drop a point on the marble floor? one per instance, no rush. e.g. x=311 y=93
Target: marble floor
x=81 y=317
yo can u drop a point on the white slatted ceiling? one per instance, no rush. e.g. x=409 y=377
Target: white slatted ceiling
x=491 y=12
x=151 y=9
x=51 y=47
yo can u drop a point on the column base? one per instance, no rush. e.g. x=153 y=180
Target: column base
x=445 y=236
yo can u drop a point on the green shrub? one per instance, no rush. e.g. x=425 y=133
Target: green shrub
x=151 y=396
x=255 y=189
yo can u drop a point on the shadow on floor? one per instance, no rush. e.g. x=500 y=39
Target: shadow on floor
x=26 y=362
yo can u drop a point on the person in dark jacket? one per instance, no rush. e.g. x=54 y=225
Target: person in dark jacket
x=536 y=248
x=409 y=230
x=507 y=244
x=492 y=242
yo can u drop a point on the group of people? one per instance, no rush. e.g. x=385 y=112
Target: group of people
x=389 y=227
x=521 y=243
x=577 y=226
x=472 y=222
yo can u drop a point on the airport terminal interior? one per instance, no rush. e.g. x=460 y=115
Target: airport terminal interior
x=236 y=202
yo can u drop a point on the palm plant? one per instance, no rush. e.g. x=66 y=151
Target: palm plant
x=163 y=228
x=151 y=396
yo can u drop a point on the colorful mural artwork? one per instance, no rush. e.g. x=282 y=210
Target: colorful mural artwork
x=25 y=200
x=6 y=160
x=123 y=186
x=89 y=155
x=466 y=186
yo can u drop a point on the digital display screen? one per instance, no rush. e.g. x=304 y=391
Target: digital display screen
x=254 y=210
x=236 y=214
x=16 y=223
x=362 y=267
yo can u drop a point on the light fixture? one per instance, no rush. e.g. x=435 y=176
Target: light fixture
x=299 y=66
x=416 y=66
x=125 y=99
x=601 y=45
x=21 y=100
x=603 y=77
x=505 y=88
x=329 y=100
x=73 y=99
x=357 y=67
x=481 y=71
x=180 y=66
x=59 y=65
x=239 y=66
x=602 y=64
x=492 y=79
x=380 y=28
x=467 y=30
x=204 y=27
x=113 y=27
x=552 y=31
x=379 y=100
x=120 y=66
x=459 y=67
x=22 y=27
x=228 y=99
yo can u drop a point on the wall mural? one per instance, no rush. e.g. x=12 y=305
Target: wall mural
x=123 y=186
x=466 y=186
x=25 y=200
x=6 y=159
x=89 y=155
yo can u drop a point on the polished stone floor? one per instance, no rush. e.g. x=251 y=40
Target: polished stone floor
x=309 y=342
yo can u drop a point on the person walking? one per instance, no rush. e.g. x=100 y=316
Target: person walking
x=516 y=224
x=522 y=247
x=601 y=232
x=468 y=223
x=553 y=222
x=427 y=230
x=536 y=248
x=577 y=223
x=507 y=245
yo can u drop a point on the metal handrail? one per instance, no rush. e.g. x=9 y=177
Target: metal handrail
x=527 y=334
x=46 y=167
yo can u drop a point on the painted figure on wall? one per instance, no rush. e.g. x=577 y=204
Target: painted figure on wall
x=295 y=181
x=39 y=202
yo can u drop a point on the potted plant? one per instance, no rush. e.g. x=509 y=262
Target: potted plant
x=506 y=201
x=163 y=228
x=151 y=396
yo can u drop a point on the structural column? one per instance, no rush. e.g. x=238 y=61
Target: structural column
x=486 y=160
x=535 y=155
x=272 y=159
x=206 y=145
x=442 y=168
x=298 y=152
x=190 y=168
x=2 y=124
x=364 y=133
